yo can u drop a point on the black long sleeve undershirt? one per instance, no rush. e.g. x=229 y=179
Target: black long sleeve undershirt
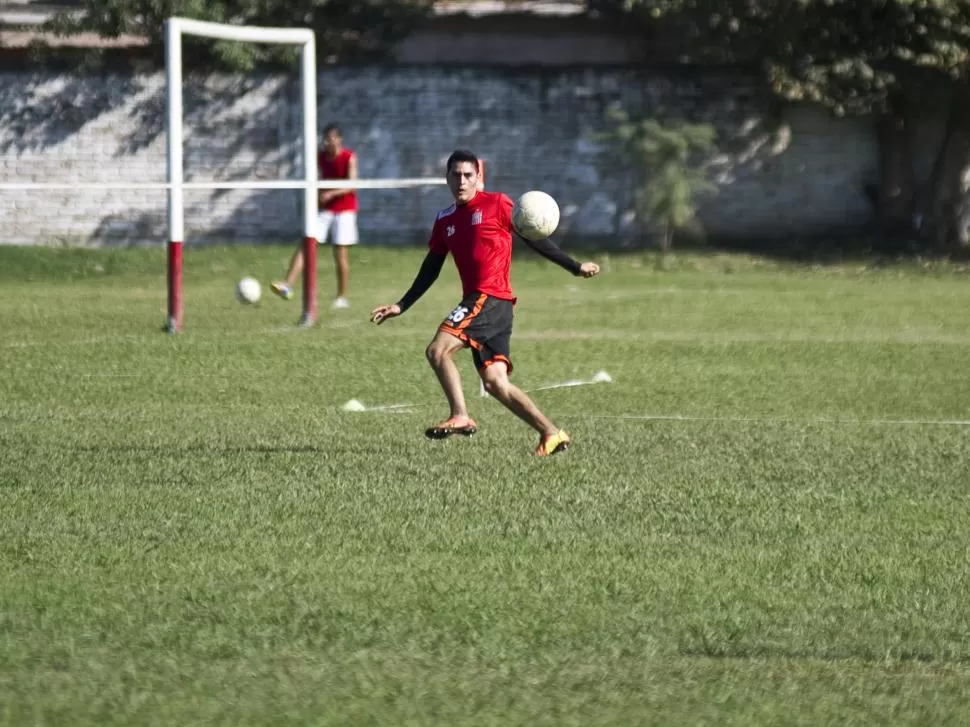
x=431 y=268
x=551 y=251
x=427 y=274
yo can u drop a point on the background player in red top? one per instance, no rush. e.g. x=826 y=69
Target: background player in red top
x=337 y=215
x=477 y=230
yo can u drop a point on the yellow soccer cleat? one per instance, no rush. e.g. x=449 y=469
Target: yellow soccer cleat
x=552 y=444
x=282 y=290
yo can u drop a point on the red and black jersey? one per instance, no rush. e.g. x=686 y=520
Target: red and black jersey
x=479 y=236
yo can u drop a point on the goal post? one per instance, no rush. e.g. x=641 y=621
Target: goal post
x=175 y=29
x=100 y=188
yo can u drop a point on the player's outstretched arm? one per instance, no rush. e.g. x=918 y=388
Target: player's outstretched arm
x=427 y=274
x=551 y=251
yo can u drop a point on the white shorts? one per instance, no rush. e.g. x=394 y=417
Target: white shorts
x=343 y=225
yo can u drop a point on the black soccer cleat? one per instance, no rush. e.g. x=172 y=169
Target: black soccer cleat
x=456 y=425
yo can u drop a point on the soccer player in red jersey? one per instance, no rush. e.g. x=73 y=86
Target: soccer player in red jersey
x=477 y=230
x=337 y=215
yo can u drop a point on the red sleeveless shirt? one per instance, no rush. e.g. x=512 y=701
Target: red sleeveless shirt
x=338 y=168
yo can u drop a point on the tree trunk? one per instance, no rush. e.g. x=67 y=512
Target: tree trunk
x=928 y=211
x=897 y=188
x=945 y=202
x=667 y=240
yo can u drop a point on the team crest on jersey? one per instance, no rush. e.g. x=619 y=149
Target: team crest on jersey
x=477 y=217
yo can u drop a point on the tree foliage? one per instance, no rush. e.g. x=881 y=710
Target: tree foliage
x=669 y=159
x=849 y=55
x=887 y=58
x=345 y=29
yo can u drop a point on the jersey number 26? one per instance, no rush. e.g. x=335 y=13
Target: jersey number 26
x=458 y=314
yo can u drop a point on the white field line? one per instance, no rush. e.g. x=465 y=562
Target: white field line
x=603 y=377
x=329 y=326
x=90 y=341
x=600 y=377
x=782 y=420
x=160 y=335
x=720 y=338
x=355 y=405
x=717 y=338
x=644 y=418
x=605 y=334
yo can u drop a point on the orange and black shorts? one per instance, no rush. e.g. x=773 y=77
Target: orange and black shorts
x=483 y=323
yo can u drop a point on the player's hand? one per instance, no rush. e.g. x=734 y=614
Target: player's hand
x=588 y=270
x=382 y=313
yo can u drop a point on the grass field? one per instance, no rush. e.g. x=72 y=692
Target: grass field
x=764 y=520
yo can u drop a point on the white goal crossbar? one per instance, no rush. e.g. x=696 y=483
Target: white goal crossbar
x=175 y=28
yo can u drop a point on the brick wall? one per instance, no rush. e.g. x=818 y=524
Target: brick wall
x=803 y=172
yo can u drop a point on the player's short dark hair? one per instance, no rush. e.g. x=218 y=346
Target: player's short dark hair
x=332 y=127
x=461 y=155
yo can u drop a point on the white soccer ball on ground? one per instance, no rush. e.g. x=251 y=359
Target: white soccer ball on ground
x=248 y=290
x=535 y=215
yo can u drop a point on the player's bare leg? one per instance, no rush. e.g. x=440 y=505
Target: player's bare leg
x=497 y=383
x=441 y=355
x=496 y=380
x=285 y=290
x=341 y=261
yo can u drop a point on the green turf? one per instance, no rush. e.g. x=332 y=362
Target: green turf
x=193 y=532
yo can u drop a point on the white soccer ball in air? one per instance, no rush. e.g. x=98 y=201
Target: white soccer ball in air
x=535 y=215
x=248 y=291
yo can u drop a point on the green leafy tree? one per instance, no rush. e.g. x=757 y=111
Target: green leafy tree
x=668 y=161
x=887 y=58
x=346 y=29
